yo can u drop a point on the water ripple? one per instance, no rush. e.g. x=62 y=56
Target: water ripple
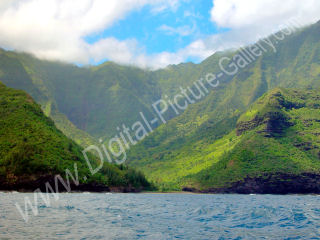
x=163 y=216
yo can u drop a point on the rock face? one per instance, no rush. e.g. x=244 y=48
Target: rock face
x=275 y=184
x=243 y=127
x=275 y=124
x=271 y=184
x=26 y=184
x=274 y=119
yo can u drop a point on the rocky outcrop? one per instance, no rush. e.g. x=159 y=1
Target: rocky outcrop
x=27 y=184
x=243 y=127
x=274 y=118
x=281 y=183
x=275 y=124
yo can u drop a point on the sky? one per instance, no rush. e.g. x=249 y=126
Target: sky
x=146 y=33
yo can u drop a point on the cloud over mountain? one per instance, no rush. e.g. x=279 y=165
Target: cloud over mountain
x=56 y=29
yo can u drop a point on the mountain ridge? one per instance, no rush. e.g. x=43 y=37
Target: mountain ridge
x=97 y=100
x=34 y=152
x=178 y=144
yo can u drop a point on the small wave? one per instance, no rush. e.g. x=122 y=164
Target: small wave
x=69 y=207
x=43 y=206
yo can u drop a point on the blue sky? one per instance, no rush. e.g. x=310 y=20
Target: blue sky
x=145 y=33
x=165 y=31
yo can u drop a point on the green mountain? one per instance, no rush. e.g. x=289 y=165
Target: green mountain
x=21 y=71
x=33 y=151
x=274 y=148
x=186 y=144
x=89 y=103
x=94 y=101
x=83 y=101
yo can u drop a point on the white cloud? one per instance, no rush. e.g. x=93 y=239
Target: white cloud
x=253 y=19
x=119 y=51
x=55 y=29
x=182 y=30
x=263 y=13
x=249 y=21
x=173 y=5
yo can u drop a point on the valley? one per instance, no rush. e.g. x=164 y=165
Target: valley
x=178 y=125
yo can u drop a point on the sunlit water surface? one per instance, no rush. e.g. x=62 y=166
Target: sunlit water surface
x=163 y=216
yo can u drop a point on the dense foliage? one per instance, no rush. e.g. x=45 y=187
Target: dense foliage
x=278 y=134
x=94 y=101
x=31 y=146
x=195 y=140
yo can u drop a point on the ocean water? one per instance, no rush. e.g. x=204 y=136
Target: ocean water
x=162 y=216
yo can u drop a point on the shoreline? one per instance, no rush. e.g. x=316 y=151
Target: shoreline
x=274 y=184
x=164 y=193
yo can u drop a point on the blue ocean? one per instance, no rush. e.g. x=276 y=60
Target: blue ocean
x=160 y=216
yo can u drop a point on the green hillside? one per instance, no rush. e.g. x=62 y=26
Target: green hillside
x=294 y=64
x=278 y=138
x=277 y=143
x=96 y=100
x=83 y=101
x=21 y=71
x=89 y=103
x=33 y=150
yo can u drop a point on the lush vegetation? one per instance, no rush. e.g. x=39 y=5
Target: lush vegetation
x=278 y=134
x=295 y=64
x=99 y=99
x=94 y=101
x=31 y=146
x=84 y=102
x=282 y=137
